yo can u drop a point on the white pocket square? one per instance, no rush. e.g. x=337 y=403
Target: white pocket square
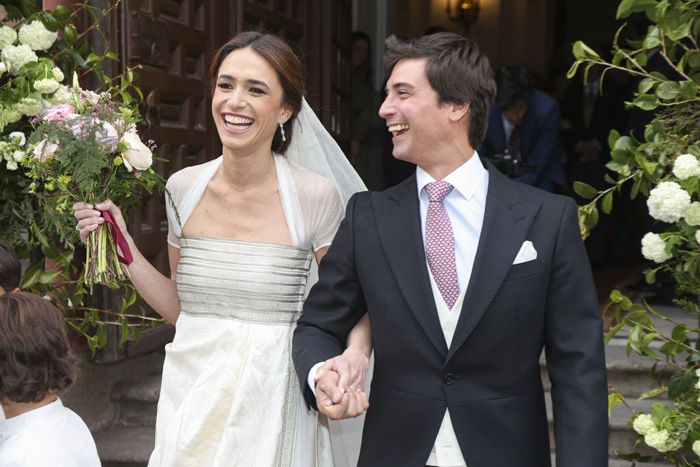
x=527 y=253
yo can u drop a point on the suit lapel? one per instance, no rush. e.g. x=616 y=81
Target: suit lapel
x=398 y=223
x=506 y=224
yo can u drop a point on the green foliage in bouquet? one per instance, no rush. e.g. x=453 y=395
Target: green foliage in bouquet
x=39 y=50
x=664 y=167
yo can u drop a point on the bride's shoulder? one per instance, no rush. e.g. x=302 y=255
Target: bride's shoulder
x=181 y=180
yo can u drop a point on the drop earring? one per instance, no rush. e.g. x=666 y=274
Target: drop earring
x=284 y=138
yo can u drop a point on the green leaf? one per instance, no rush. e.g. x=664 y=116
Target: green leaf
x=613 y=136
x=70 y=34
x=645 y=85
x=592 y=218
x=688 y=89
x=668 y=90
x=616 y=296
x=585 y=190
x=607 y=202
x=650 y=276
x=680 y=383
x=652 y=39
x=612 y=332
x=627 y=7
x=614 y=398
x=582 y=51
x=62 y=13
x=646 y=102
x=679 y=334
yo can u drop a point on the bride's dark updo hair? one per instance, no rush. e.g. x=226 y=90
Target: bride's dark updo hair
x=286 y=64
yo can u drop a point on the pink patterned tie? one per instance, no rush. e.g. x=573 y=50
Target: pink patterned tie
x=440 y=243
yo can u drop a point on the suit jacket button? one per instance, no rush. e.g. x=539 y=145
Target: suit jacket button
x=448 y=378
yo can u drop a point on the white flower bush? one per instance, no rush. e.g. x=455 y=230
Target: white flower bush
x=15 y=57
x=654 y=248
x=686 y=166
x=46 y=86
x=36 y=36
x=668 y=202
x=692 y=214
x=8 y=36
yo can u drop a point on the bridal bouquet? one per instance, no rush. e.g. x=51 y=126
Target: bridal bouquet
x=88 y=150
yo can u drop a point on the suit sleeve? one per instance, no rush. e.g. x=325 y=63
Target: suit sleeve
x=545 y=149
x=575 y=353
x=333 y=306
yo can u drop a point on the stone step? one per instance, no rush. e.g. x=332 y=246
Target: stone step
x=124 y=446
x=136 y=401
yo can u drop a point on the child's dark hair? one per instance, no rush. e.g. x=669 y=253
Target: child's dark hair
x=10 y=267
x=34 y=349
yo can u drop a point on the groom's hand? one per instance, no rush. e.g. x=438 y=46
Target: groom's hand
x=335 y=404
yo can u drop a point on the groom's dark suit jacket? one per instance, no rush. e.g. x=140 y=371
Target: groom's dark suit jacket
x=489 y=378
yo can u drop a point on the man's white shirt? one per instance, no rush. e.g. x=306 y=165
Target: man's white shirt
x=465 y=206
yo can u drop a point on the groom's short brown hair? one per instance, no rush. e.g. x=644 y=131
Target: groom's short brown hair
x=456 y=69
x=34 y=349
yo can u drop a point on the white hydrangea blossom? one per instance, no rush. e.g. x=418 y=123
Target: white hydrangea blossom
x=36 y=36
x=8 y=36
x=692 y=214
x=46 y=86
x=13 y=115
x=661 y=441
x=3 y=68
x=696 y=447
x=61 y=96
x=57 y=74
x=654 y=248
x=697 y=236
x=686 y=166
x=29 y=106
x=15 y=57
x=668 y=201
x=644 y=424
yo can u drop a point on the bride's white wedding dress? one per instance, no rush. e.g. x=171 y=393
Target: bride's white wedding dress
x=230 y=396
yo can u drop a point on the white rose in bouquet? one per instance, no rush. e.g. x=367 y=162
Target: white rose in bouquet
x=107 y=136
x=668 y=202
x=654 y=248
x=137 y=156
x=45 y=151
x=686 y=166
x=19 y=137
x=36 y=36
x=89 y=97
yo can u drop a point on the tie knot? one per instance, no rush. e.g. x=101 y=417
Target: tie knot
x=437 y=191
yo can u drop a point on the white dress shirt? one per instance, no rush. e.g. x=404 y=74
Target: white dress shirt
x=465 y=206
x=52 y=435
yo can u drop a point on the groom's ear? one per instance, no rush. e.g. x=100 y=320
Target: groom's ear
x=458 y=110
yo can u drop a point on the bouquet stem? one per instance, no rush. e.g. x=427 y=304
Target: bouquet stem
x=102 y=265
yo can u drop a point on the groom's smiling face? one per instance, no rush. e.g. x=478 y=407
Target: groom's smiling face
x=416 y=119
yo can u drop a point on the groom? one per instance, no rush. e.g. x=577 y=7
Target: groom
x=467 y=276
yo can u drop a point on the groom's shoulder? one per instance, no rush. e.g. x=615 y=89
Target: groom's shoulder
x=518 y=192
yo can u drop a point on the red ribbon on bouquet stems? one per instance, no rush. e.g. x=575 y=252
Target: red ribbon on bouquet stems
x=119 y=239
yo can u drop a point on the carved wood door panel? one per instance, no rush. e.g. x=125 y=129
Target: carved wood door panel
x=173 y=41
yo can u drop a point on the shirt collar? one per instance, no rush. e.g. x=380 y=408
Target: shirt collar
x=14 y=425
x=466 y=178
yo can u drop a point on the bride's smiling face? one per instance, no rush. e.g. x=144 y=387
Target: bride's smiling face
x=248 y=102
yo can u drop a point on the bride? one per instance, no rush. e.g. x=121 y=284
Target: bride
x=244 y=232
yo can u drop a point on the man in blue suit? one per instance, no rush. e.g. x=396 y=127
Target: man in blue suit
x=525 y=124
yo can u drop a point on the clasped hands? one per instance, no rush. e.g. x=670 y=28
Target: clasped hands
x=340 y=384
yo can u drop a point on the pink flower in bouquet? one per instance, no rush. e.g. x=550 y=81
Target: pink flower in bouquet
x=59 y=113
x=137 y=156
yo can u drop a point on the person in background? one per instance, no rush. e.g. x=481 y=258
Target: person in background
x=361 y=92
x=525 y=124
x=36 y=365
x=10 y=269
